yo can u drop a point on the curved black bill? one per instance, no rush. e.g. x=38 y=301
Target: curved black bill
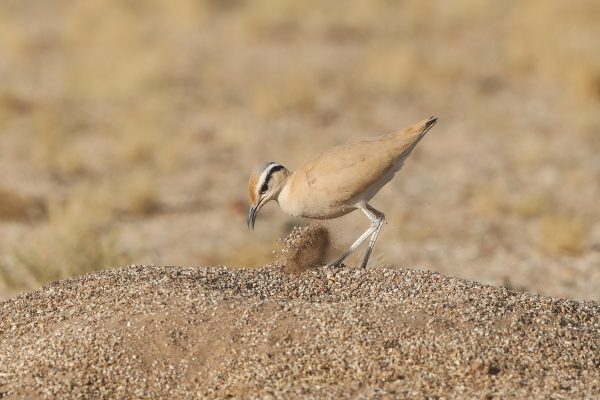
x=251 y=217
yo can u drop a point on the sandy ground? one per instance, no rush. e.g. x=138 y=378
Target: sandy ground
x=128 y=131
x=186 y=332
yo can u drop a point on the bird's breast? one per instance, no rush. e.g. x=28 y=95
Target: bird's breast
x=299 y=199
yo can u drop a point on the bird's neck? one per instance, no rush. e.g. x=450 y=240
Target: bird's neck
x=284 y=197
x=284 y=185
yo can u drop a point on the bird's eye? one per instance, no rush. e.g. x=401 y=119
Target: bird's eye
x=264 y=188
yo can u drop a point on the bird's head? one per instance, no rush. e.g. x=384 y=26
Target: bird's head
x=264 y=185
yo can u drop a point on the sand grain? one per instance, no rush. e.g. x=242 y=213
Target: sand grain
x=145 y=331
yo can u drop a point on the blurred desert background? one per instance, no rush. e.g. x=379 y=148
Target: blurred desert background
x=128 y=131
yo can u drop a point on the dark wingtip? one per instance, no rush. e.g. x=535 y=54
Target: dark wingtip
x=431 y=121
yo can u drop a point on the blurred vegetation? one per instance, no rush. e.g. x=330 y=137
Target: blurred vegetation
x=15 y=206
x=76 y=240
x=126 y=126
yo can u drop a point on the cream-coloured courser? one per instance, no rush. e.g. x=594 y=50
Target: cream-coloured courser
x=337 y=181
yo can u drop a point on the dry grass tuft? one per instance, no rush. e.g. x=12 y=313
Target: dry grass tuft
x=75 y=240
x=14 y=206
x=389 y=70
x=6 y=277
x=295 y=92
x=252 y=254
x=532 y=204
x=139 y=195
x=566 y=55
x=563 y=234
x=54 y=147
x=490 y=199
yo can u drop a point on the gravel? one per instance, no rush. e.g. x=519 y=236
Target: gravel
x=213 y=332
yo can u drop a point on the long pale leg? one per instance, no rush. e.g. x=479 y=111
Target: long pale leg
x=380 y=218
x=376 y=218
x=352 y=248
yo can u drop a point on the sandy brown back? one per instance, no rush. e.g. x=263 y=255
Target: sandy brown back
x=346 y=170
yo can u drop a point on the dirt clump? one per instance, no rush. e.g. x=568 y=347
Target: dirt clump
x=305 y=248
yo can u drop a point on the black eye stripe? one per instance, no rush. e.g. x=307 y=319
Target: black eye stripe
x=274 y=169
x=265 y=185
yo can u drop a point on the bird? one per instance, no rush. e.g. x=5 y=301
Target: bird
x=337 y=182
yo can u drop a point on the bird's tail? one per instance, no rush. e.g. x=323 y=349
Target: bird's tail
x=407 y=139
x=419 y=129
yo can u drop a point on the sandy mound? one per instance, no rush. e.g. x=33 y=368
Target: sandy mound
x=211 y=332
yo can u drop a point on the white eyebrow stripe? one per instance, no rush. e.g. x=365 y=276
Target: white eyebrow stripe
x=266 y=173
